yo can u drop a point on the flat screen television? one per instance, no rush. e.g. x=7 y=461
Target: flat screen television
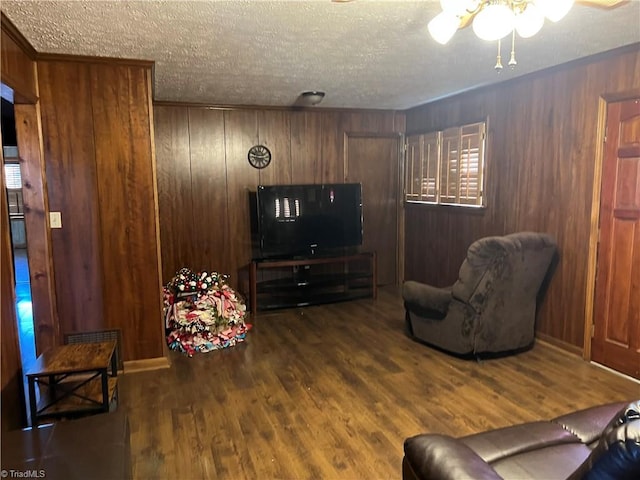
x=306 y=220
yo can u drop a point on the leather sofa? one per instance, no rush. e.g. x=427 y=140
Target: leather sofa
x=601 y=442
x=96 y=447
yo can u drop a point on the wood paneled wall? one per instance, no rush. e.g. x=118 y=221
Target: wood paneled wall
x=17 y=63
x=36 y=207
x=17 y=70
x=204 y=176
x=96 y=123
x=541 y=157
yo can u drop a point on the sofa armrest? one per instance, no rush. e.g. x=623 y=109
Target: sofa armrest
x=440 y=457
x=426 y=297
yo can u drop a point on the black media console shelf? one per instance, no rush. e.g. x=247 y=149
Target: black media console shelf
x=272 y=284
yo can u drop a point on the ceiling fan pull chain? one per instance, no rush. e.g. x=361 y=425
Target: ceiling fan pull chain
x=498 y=66
x=512 y=61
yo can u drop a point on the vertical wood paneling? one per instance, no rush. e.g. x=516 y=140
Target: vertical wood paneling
x=11 y=396
x=332 y=147
x=124 y=176
x=36 y=207
x=241 y=133
x=373 y=162
x=271 y=126
x=67 y=123
x=175 y=204
x=306 y=144
x=208 y=231
x=541 y=159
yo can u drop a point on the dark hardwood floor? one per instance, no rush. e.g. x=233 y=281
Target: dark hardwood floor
x=331 y=392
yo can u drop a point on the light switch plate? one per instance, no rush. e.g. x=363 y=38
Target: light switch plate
x=55 y=219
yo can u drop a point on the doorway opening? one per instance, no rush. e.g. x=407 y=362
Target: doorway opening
x=13 y=177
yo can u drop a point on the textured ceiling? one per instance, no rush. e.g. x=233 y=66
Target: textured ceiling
x=363 y=54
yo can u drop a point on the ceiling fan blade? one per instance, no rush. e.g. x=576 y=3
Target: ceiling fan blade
x=603 y=3
x=466 y=20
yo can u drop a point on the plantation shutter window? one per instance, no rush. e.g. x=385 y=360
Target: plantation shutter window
x=446 y=167
x=449 y=172
x=413 y=168
x=12 y=175
x=430 y=162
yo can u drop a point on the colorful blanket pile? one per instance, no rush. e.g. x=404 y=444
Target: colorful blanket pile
x=202 y=313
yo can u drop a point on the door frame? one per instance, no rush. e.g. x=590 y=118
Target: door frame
x=399 y=189
x=594 y=233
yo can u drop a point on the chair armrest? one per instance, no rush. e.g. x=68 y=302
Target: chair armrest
x=426 y=297
x=440 y=457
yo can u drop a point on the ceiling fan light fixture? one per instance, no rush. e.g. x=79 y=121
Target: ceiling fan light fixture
x=494 y=21
x=443 y=26
x=459 y=7
x=554 y=10
x=529 y=21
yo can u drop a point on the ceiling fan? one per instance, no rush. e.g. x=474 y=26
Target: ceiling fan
x=495 y=19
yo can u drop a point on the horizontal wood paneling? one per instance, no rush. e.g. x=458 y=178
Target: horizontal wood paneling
x=541 y=158
x=98 y=154
x=199 y=168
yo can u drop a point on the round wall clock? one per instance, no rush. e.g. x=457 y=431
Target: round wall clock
x=259 y=156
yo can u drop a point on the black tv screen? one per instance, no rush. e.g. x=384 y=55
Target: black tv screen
x=294 y=220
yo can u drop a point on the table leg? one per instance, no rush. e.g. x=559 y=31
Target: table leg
x=114 y=365
x=33 y=405
x=105 y=390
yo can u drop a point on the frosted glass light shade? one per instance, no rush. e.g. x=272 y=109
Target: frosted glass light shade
x=494 y=21
x=443 y=26
x=529 y=22
x=554 y=10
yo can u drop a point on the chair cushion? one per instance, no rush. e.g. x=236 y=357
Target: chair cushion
x=423 y=297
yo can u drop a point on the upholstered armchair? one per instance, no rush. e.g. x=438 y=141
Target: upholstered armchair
x=491 y=308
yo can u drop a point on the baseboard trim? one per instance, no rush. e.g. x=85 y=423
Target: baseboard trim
x=157 y=363
x=615 y=372
x=559 y=344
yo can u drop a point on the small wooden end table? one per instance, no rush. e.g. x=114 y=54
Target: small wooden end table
x=77 y=379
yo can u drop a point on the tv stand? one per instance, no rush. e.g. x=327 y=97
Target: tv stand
x=298 y=282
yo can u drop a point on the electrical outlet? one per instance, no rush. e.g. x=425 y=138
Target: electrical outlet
x=55 y=220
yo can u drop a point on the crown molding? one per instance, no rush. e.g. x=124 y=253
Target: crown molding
x=10 y=29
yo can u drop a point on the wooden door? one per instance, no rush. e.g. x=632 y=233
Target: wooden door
x=616 y=339
x=373 y=161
